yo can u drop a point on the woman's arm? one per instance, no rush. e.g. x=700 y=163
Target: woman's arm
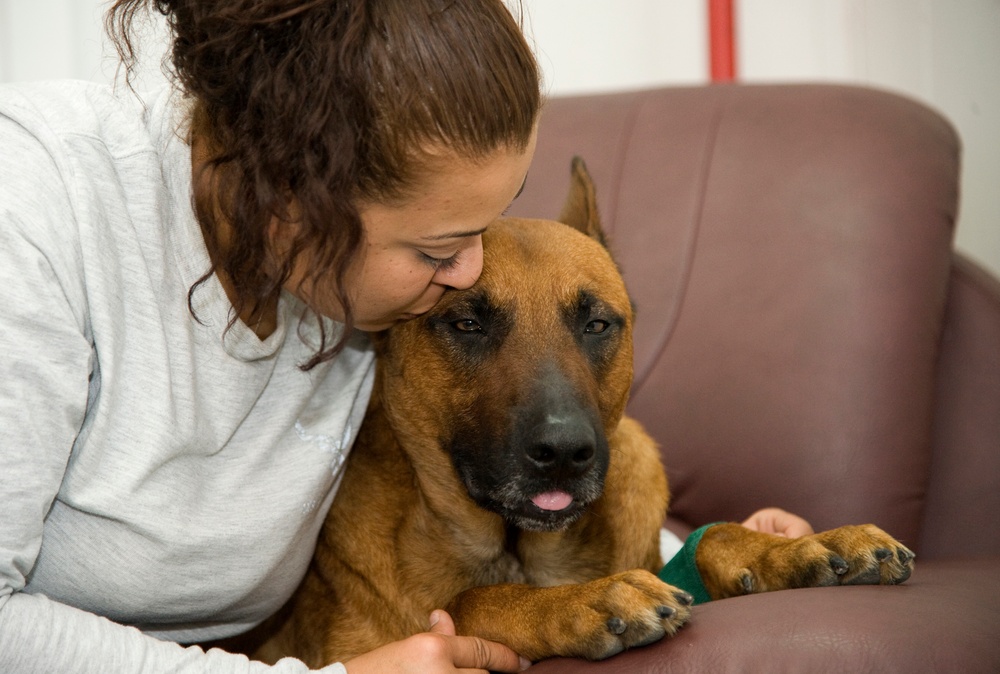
x=45 y=367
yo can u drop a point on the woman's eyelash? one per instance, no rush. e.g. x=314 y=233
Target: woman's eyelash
x=440 y=263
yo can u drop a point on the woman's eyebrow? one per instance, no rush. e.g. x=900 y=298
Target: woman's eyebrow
x=454 y=235
x=473 y=232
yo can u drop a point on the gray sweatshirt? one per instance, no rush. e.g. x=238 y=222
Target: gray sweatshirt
x=161 y=480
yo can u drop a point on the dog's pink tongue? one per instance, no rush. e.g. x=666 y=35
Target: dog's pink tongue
x=553 y=500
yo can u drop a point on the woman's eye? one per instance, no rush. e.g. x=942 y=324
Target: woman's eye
x=467 y=325
x=596 y=327
x=440 y=262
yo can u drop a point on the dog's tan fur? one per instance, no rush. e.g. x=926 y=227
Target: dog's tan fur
x=404 y=536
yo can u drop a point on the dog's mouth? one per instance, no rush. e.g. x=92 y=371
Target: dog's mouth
x=537 y=508
x=549 y=511
x=553 y=501
x=540 y=476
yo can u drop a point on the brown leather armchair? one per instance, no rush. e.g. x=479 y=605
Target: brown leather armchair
x=807 y=338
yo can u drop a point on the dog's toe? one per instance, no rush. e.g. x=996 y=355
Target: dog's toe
x=871 y=575
x=639 y=609
x=839 y=565
x=897 y=569
x=873 y=557
x=616 y=626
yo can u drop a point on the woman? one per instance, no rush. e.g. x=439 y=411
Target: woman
x=187 y=281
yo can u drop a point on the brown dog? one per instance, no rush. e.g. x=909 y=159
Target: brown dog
x=496 y=476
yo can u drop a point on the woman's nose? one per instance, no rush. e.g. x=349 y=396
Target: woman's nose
x=466 y=269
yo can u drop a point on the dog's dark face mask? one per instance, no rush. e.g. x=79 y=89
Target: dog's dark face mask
x=521 y=378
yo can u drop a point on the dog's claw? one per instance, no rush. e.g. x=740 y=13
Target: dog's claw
x=684 y=598
x=665 y=612
x=616 y=625
x=849 y=555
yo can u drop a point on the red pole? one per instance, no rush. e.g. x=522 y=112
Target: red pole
x=721 y=37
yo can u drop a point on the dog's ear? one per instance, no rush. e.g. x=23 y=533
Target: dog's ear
x=580 y=209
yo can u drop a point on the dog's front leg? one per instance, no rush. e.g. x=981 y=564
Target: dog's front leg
x=734 y=560
x=592 y=620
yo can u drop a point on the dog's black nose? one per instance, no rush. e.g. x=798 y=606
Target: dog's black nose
x=566 y=445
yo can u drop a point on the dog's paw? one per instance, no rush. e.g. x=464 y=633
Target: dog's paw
x=629 y=609
x=866 y=555
x=849 y=555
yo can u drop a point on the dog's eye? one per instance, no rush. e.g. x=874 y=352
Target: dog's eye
x=596 y=327
x=467 y=325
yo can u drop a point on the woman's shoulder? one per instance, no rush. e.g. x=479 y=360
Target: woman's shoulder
x=81 y=164
x=67 y=112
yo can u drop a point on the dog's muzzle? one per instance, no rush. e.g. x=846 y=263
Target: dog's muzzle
x=542 y=476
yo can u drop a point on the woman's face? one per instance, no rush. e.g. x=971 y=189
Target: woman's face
x=413 y=251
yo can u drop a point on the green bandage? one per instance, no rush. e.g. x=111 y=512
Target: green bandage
x=682 y=570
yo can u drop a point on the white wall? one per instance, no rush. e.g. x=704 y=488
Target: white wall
x=943 y=52
x=604 y=45
x=45 y=39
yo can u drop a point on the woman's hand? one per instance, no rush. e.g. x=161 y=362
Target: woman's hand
x=778 y=522
x=438 y=651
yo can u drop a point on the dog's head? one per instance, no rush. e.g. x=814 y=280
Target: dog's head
x=517 y=381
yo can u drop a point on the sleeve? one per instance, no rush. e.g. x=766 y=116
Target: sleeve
x=39 y=636
x=682 y=569
x=670 y=544
x=45 y=363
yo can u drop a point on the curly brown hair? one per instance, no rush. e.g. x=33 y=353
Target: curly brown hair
x=309 y=107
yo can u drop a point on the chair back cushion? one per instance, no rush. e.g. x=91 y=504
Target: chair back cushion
x=788 y=251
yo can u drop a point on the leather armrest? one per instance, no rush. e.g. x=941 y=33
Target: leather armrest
x=962 y=495
x=945 y=618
